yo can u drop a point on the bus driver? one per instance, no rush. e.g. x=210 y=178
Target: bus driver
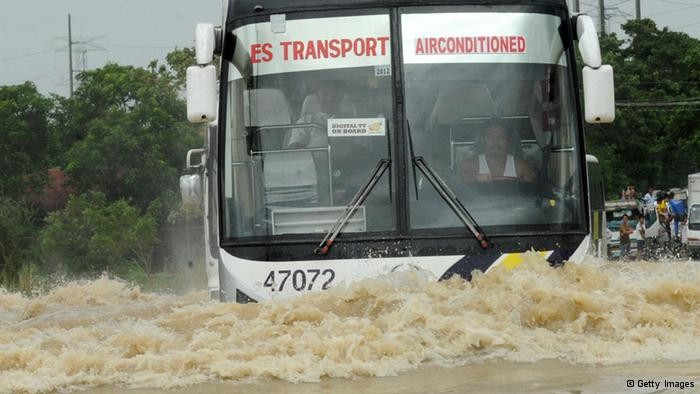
x=497 y=162
x=329 y=96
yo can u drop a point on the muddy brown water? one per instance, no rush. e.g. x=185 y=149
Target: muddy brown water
x=594 y=327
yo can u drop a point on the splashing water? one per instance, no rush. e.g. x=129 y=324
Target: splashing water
x=104 y=332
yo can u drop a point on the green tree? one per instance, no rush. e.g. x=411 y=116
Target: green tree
x=129 y=134
x=178 y=61
x=17 y=236
x=92 y=235
x=656 y=143
x=24 y=133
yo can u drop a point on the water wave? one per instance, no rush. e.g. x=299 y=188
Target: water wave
x=104 y=331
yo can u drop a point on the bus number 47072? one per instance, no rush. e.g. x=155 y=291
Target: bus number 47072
x=300 y=280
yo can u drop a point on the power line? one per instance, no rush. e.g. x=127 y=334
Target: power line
x=41 y=23
x=128 y=17
x=139 y=46
x=44 y=76
x=7 y=59
x=674 y=11
x=678 y=2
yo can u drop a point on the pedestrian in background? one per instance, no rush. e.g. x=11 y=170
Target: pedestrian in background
x=625 y=232
x=649 y=197
x=641 y=241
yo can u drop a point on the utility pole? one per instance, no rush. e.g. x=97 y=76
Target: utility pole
x=70 y=57
x=577 y=6
x=601 y=4
x=82 y=47
x=638 y=9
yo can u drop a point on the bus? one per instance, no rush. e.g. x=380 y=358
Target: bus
x=596 y=200
x=353 y=139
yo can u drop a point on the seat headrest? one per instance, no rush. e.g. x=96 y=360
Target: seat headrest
x=514 y=102
x=462 y=101
x=266 y=107
x=312 y=106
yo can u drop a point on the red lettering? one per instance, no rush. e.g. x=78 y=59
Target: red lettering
x=298 y=50
x=255 y=50
x=334 y=48
x=441 y=44
x=371 y=46
x=383 y=41
x=260 y=52
x=310 y=50
x=481 y=44
x=494 y=44
x=468 y=44
x=322 y=49
x=503 y=43
x=432 y=45
x=459 y=44
x=345 y=46
x=285 y=46
x=358 y=47
x=419 y=47
x=267 y=51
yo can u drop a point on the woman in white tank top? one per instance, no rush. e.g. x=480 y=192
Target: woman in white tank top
x=496 y=163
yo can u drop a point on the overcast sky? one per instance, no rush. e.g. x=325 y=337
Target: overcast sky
x=33 y=33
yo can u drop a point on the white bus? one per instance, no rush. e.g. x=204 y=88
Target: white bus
x=351 y=139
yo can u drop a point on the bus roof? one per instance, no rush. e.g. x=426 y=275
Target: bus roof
x=245 y=8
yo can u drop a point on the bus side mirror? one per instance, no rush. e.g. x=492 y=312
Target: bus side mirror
x=201 y=79
x=599 y=94
x=191 y=190
x=598 y=82
x=588 y=43
x=204 y=43
x=201 y=93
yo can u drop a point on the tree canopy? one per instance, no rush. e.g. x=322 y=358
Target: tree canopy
x=114 y=151
x=24 y=121
x=130 y=134
x=655 y=139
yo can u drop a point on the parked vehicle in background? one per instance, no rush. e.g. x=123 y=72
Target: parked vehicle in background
x=614 y=210
x=693 y=225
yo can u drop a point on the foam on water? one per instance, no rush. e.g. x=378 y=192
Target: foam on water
x=106 y=332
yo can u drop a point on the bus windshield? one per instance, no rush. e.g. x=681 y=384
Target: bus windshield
x=489 y=102
x=310 y=115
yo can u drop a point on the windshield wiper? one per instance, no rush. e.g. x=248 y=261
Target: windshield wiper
x=452 y=201
x=350 y=209
x=447 y=194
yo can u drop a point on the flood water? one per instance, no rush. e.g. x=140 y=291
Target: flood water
x=586 y=328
